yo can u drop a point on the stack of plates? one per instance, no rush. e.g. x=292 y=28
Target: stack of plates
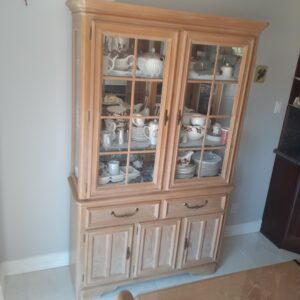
x=106 y=177
x=185 y=172
x=138 y=134
x=210 y=165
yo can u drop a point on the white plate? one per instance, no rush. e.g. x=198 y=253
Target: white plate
x=118 y=73
x=132 y=172
x=116 y=109
x=184 y=176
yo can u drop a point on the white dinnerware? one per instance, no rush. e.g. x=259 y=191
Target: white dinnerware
x=138 y=120
x=151 y=132
x=184 y=158
x=114 y=167
x=194 y=132
x=198 y=120
x=150 y=64
x=107 y=138
x=227 y=71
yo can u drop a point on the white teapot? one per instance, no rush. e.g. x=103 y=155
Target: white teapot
x=150 y=64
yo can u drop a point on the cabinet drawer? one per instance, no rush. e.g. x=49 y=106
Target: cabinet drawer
x=122 y=214
x=193 y=206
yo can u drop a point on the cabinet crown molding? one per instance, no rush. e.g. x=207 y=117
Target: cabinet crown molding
x=168 y=16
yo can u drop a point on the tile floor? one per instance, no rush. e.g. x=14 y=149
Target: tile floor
x=238 y=253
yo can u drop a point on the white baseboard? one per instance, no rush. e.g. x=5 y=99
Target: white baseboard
x=1 y=293
x=1 y=283
x=244 y=228
x=36 y=263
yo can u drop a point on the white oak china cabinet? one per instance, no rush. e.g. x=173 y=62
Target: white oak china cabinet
x=158 y=102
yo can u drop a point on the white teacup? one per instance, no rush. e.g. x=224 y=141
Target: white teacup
x=194 y=132
x=139 y=122
x=114 y=167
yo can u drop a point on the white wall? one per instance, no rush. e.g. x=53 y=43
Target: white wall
x=35 y=93
x=35 y=97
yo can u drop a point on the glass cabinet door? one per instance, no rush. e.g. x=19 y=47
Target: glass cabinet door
x=207 y=111
x=130 y=93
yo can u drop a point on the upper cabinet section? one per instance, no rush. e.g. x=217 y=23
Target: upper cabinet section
x=159 y=96
x=131 y=106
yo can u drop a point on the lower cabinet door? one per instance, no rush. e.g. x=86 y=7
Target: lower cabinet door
x=199 y=240
x=156 y=247
x=108 y=254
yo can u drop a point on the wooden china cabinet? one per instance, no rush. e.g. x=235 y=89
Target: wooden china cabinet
x=158 y=102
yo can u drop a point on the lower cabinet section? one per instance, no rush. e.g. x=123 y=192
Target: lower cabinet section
x=108 y=255
x=112 y=255
x=156 y=247
x=199 y=240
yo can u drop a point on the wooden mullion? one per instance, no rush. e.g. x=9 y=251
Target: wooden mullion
x=208 y=110
x=135 y=53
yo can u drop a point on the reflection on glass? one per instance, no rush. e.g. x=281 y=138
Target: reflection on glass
x=147 y=98
x=197 y=98
x=202 y=62
x=229 y=61
x=112 y=169
x=114 y=135
x=116 y=98
x=150 y=60
x=222 y=102
x=141 y=168
x=118 y=56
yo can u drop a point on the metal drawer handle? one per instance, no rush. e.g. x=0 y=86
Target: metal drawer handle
x=195 y=206
x=125 y=215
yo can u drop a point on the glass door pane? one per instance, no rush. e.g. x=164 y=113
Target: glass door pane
x=210 y=94
x=118 y=56
x=130 y=123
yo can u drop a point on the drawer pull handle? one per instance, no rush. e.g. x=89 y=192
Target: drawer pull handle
x=195 y=206
x=125 y=215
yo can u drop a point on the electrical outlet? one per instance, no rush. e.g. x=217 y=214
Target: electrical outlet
x=277 y=107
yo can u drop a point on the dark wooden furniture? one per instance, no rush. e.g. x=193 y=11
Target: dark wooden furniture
x=281 y=219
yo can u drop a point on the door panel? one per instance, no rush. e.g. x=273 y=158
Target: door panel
x=134 y=70
x=199 y=240
x=108 y=254
x=156 y=247
x=212 y=75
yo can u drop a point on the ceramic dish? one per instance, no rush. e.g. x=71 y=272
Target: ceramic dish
x=132 y=172
x=118 y=109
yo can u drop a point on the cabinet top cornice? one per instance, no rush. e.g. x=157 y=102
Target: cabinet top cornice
x=183 y=18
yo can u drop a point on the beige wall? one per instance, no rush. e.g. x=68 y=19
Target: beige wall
x=35 y=111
